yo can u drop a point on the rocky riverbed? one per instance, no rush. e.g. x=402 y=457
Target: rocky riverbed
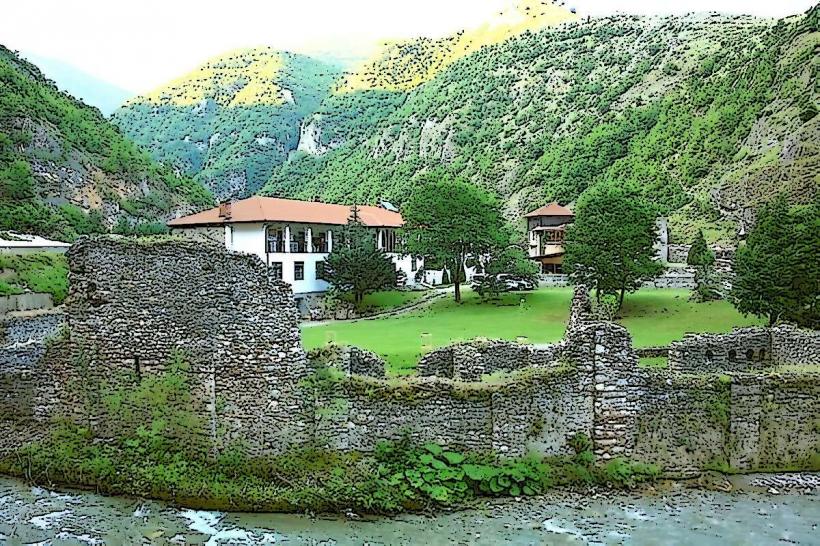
x=759 y=509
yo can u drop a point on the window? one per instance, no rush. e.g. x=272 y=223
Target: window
x=750 y=355
x=276 y=270
x=413 y=264
x=762 y=355
x=732 y=355
x=320 y=271
x=299 y=271
x=389 y=238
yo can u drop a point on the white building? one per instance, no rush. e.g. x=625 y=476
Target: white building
x=293 y=237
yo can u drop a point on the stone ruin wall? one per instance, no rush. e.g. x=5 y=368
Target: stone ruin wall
x=472 y=360
x=745 y=350
x=131 y=305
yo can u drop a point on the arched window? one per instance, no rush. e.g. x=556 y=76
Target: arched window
x=762 y=355
x=732 y=355
x=709 y=356
x=750 y=354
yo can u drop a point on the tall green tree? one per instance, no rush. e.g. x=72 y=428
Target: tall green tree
x=777 y=272
x=450 y=220
x=356 y=266
x=610 y=246
x=702 y=258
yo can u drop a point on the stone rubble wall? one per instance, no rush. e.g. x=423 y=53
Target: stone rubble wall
x=29 y=328
x=791 y=345
x=471 y=360
x=350 y=360
x=534 y=410
x=745 y=349
x=134 y=305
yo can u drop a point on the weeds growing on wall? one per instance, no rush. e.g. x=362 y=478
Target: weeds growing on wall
x=153 y=445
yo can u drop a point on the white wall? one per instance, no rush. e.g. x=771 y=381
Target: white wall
x=250 y=239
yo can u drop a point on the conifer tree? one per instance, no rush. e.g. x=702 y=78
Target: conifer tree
x=356 y=266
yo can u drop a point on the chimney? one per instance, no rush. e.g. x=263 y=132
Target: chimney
x=225 y=210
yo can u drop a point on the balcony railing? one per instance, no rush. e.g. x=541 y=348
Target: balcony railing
x=318 y=247
x=275 y=246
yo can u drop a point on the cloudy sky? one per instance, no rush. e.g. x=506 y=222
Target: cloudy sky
x=141 y=45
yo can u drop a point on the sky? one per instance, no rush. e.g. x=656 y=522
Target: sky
x=138 y=46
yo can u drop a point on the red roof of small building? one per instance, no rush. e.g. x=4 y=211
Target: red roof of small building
x=271 y=209
x=553 y=209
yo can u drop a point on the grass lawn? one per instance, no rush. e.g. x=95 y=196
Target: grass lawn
x=654 y=317
x=38 y=272
x=390 y=299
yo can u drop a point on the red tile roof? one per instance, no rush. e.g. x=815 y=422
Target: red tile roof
x=270 y=209
x=553 y=209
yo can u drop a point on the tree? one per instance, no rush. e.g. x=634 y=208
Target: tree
x=450 y=220
x=777 y=274
x=356 y=266
x=511 y=260
x=702 y=258
x=610 y=246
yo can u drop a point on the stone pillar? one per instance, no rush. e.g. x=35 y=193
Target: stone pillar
x=287 y=238
x=746 y=403
x=617 y=391
x=308 y=240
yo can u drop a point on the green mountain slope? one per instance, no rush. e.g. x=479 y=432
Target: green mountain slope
x=232 y=120
x=66 y=170
x=708 y=115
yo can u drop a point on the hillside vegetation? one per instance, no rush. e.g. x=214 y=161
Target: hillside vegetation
x=232 y=120
x=708 y=115
x=65 y=170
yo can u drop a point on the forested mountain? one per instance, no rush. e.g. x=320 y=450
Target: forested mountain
x=707 y=115
x=65 y=170
x=232 y=120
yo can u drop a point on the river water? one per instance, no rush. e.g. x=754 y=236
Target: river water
x=31 y=515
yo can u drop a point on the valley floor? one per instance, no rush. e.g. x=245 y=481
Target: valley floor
x=654 y=317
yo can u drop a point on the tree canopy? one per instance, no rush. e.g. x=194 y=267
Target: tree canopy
x=449 y=220
x=355 y=265
x=777 y=273
x=610 y=246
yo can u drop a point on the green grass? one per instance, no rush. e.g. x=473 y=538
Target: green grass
x=654 y=317
x=658 y=362
x=390 y=299
x=40 y=272
x=657 y=317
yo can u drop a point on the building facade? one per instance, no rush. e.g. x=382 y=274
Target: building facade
x=545 y=230
x=293 y=237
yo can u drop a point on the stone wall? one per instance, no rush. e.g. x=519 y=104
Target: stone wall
x=134 y=305
x=348 y=360
x=741 y=350
x=29 y=328
x=791 y=345
x=471 y=360
x=683 y=278
x=531 y=410
x=745 y=349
